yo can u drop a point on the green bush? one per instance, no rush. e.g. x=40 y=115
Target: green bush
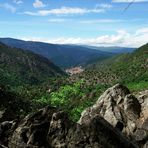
x=72 y=98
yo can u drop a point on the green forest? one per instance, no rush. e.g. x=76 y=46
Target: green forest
x=31 y=88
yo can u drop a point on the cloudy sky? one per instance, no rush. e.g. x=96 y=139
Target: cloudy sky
x=91 y=22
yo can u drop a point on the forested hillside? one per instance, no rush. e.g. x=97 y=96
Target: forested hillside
x=19 y=67
x=130 y=69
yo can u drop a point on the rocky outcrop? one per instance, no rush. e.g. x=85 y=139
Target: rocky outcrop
x=33 y=129
x=141 y=134
x=143 y=99
x=115 y=115
x=6 y=130
x=51 y=128
x=98 y=134
x=123 y=111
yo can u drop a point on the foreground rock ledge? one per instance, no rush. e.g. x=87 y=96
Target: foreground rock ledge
x=99 y=127
x=124 y=111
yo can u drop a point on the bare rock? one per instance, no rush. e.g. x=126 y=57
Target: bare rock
x=116 y=117
x=141 y=134
x=51 y=128
x=124 y=111
x=98 y=134
x=6 y=130
x=33 y=129
x=143 y=99
x=58 y=130
x=118 y=107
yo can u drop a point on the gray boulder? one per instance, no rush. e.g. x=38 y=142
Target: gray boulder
x=118 y=107
x=51 y=128
x=124 y=111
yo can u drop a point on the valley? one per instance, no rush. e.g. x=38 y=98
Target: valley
x=29 y=82
x=73 y=74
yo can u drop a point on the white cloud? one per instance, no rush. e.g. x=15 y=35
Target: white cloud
x=120 y=38
x=8 y=7
x=38 y=4
x=17 y=2
x=65 y=11
x=129 y=1
x=108 y=40
x=101 y=21
x=105 y=6
x=56 y=20
x=30 y=13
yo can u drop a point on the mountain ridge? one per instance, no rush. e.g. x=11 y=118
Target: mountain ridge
x=65 y=56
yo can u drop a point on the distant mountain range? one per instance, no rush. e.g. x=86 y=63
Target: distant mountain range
x=114 y=49
x=19 y=67
x=66 y=56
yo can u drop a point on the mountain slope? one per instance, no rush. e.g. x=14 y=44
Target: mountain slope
x=125 y=68
x=62 y=55
x=19 y=67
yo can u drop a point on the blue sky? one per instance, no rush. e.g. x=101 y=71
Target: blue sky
x=91 y=22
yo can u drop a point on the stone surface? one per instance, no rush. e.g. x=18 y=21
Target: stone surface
x=99 y=133
x=51 y=128
x=1 y=113
x=143 y=99
x=122 y=110
x=118 y=107
x=117 y=119
x=6 y=130
x=33 y=129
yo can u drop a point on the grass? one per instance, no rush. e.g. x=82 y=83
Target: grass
x=137 y=86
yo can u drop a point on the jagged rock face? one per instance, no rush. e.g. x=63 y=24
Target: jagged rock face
x=118 y=107
x=98 y=134
x=141 y=134
x=143 y=99
x=6 y=129
x=33 y=129
x=50 y=128
x=123 y=111
x=100 y=126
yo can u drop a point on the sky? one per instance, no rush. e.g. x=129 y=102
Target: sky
x=86 y=22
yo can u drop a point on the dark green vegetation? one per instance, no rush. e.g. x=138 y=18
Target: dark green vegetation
x=85 y=88
x=72 y=98
x=19 y=67
x=73 y=94
x=66 y=56
x=130 y=69
x=12 y=104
